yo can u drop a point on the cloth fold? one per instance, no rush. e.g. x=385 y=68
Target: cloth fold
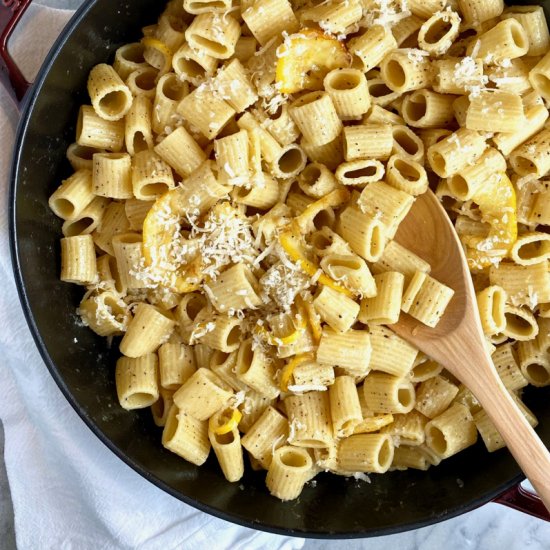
x=68 y=490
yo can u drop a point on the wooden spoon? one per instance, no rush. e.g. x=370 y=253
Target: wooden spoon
x=457 y=342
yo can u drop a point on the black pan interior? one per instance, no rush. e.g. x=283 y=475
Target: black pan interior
x=83 y=366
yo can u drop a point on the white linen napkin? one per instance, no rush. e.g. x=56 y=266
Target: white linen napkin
x=68 y=490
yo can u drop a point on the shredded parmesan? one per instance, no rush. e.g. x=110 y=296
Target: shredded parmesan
x=293 y=427
x=360 y=476
x=467 y=76
x=384 y=12
x=224 y=238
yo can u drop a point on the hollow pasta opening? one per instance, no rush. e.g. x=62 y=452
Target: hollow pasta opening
x=79 y=227
x=225 y=439
x=375 y=243
x=114 y=103
x=153 y=189
x=324 y=218
x=194 y=305
x=63 y=207
x=437 y=31
x=133 y=53
x=458 y=186
x=245 y=357
x=293 y=459
x=538 y=374
x=115 y=274
x=408 y=171
x=416 y=107
x=357 y=63
x=343 y=81
x=118 y=311
x=405 y=141
x=290 y=161
x=310 y=175
x=517 y=325
x=438 y=162
x=524 y=166
x=172 y=89
x=347 y=427
x=404 y=397
x=395 y=73
x=79 y=124
x=190 y=68
x=351 y=264
x=164 y=313
x=146 y=80
x=171 y=425
x=140 y=400
x=365 y=172
x=532 y=250
x=519 y=37
x=140 y=143
x=234 y=337
x=81 y=152
x=385 y=454
x=251 y=280
x=208 y=44
x=320 y=241
x=129 y=238
x=517 y=10
x=379 y=90
x=437 y=440
x=218 y=358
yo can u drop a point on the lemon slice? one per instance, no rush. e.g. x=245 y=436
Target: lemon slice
x=288 y=371
x=291 y=245
x=307 y=311
x=232 y=423
x=305 y=59
x=333 y=199
x=497 y=205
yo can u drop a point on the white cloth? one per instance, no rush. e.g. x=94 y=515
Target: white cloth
x=68 y=490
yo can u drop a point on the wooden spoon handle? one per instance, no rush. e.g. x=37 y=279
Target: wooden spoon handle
x=522 y=441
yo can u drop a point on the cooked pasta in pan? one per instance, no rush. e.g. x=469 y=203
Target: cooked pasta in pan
x=240 y=176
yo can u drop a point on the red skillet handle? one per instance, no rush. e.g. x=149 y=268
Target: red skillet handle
x=525 y=501
x=10 y=75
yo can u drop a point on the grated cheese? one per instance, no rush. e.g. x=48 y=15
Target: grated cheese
x=200 y=331
x=466 y=76
x=384 y=12
x=225 y=238
x=360 y=476
x=293 y=427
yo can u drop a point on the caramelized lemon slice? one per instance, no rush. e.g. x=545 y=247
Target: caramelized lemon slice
x=231 y=423
x=288 y=371
x=305 y=59
x=291 y=245
x=161 y=232
x=307 y=311
x=497 y=205
x=159 y=225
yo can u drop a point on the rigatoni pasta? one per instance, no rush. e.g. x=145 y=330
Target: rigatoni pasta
x=239 y=179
